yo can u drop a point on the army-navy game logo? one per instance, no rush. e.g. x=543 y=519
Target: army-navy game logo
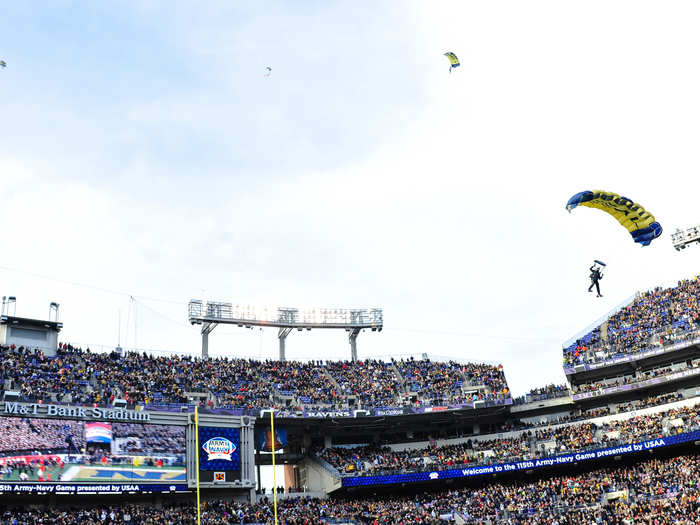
x=219 y=448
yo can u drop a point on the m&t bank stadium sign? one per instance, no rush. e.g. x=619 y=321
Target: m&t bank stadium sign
x=69 y=412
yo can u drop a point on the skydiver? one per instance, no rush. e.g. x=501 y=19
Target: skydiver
x=596 y=276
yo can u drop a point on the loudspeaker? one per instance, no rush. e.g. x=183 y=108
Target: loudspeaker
x=11 y=395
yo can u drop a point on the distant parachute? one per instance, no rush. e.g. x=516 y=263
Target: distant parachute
x=639 y=222
x=454 y=61
x=3 y=63
x=269 y=71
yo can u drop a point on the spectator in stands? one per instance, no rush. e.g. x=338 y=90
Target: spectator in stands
x=655 y=318
x=373 y=459
x=82 y=377
x=654 y=492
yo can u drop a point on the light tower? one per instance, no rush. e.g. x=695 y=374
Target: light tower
x=209 y=314
x=681 y=239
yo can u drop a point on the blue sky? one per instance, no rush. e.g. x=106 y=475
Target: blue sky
x=144 y=151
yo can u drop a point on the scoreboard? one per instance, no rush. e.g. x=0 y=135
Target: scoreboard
x=223 y=448
x=63 y=449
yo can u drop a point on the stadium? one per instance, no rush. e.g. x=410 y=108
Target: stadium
x=398 y=441
x=349 y=262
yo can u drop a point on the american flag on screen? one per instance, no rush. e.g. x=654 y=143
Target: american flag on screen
x=98 y=433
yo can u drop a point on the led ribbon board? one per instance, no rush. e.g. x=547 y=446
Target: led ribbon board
x=564 y=459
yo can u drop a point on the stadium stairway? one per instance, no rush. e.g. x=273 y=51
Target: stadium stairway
x=317 y=475
x=332 y=380
x=533 y=446
x=598 y=435
x=604 y=331
x=399 y=378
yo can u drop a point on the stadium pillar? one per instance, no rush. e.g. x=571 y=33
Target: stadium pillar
x=282 y=334
x=206 y=330
x=353 y=343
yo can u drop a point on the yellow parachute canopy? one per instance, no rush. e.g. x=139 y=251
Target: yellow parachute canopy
x=640 y=223
x=454 y=61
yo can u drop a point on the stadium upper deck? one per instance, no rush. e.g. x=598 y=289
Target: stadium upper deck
x=80 y=376
x=655 y=319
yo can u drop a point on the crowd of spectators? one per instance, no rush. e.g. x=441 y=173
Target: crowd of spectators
x=374 y=383
x=39 y=377
x=638 y=378
x=39 y=436
x=373 y=459
x=647 y=402
x=655 y=318
x=83 y=377
x=592 y=413
x=452 y=382
x=651 y=492
x=551 y=391
x=149 y=439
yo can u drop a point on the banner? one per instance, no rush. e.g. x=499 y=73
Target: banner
x=264 y=439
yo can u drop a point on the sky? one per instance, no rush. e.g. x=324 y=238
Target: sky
x=145 y=154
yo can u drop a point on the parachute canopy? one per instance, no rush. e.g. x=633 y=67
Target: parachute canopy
x=3 y=63
x=639 y=222
x=599 y=262
x=454 y=61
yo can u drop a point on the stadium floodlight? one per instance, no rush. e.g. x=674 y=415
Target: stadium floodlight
x=211 y=313
x=681 y=239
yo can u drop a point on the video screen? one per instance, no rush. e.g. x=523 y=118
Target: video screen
x=52 y=450
x=219 y=454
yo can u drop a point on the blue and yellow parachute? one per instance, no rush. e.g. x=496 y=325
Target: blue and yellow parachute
x=640 y=223
x=454 y=61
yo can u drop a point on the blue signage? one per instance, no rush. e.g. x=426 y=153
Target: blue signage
x=563 y=459
x=219 y=448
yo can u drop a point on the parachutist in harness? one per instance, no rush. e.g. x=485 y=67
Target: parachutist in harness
x=596 y=276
